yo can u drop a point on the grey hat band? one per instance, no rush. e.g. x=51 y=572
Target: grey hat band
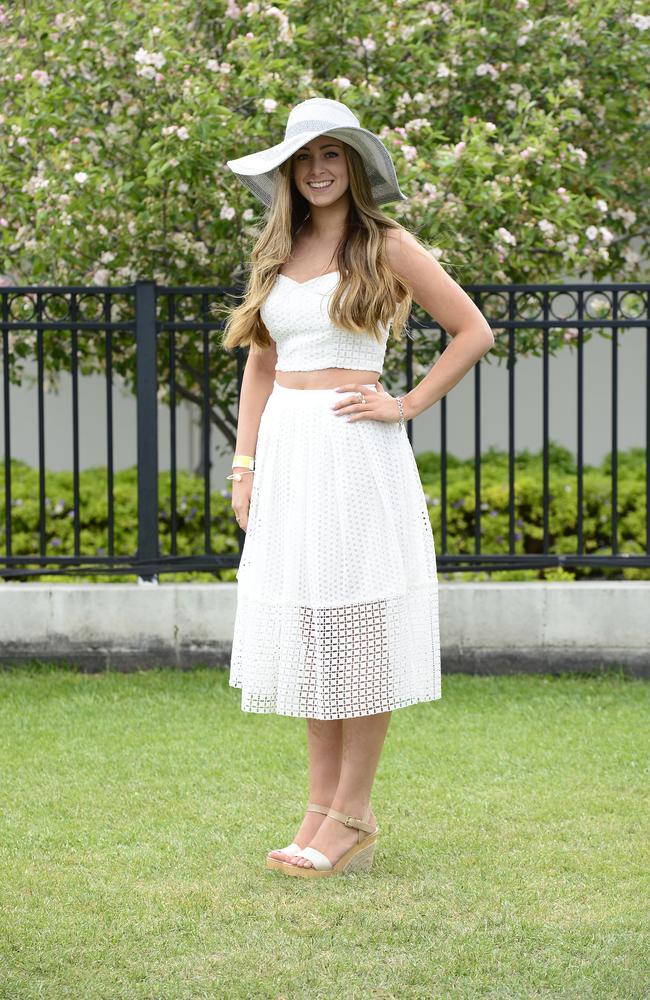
x=310 y=126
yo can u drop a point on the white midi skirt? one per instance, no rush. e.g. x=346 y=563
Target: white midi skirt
x=337 y=591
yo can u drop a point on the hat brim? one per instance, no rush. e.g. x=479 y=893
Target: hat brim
x=258 y=170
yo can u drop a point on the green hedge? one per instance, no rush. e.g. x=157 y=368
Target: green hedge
x=59 y=528
x=597 y=511
x=529 y=531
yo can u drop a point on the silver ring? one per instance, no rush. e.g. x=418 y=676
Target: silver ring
x=362 y=398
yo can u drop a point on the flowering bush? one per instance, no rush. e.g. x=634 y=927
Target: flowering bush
x=518 y=138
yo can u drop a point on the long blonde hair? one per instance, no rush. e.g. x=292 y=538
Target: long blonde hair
x=369 y=293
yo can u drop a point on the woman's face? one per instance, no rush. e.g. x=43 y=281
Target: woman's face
x=322 y=160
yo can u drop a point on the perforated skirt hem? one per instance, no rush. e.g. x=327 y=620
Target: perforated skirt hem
x=264 y=708
x=337 y=662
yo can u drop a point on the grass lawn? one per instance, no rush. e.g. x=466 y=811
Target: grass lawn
x=136 y=810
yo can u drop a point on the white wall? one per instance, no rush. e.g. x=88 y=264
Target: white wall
x=563 y=396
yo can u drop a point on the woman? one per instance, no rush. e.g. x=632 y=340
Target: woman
x=337 y=596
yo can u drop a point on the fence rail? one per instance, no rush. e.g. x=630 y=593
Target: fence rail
x=142 y=324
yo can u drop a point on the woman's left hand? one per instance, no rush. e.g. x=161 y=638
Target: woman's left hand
x=379 y=404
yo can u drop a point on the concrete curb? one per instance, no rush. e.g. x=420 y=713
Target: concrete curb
x=486 y=628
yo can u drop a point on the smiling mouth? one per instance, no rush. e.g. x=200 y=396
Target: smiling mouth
x=320 y=185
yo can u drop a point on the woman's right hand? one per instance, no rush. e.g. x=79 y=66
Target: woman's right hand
x=241 y=497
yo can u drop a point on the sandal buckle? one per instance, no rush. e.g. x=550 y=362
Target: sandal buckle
x=348 y=823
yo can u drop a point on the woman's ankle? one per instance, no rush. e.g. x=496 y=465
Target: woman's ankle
x=322 y=797
x=360 y=810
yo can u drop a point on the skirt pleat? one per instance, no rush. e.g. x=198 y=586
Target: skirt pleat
x=337 y=590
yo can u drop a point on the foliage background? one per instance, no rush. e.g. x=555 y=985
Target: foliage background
x=519 y=130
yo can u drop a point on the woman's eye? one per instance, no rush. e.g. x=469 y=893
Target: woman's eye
x=330 y=152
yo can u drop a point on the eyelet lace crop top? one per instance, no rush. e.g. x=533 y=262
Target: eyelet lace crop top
x=296 y=315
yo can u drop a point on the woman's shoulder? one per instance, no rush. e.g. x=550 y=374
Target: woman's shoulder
x=410 y=259
x=401 y=247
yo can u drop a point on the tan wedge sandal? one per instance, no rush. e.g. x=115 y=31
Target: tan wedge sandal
x=293 y=848
x=358 y=858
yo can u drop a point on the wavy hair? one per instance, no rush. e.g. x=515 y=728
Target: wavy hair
x=369 y=293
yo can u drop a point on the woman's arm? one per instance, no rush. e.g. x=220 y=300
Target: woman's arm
x=450 y=307
x=257 y=383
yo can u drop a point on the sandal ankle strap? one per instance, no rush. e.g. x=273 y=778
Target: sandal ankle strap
x=353 y=821
x=312 y=807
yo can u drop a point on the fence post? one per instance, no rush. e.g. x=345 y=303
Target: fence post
x=147 y=424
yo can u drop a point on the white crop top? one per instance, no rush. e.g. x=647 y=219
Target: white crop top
x=296 y=315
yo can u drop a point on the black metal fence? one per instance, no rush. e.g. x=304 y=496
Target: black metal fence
x=140 y=326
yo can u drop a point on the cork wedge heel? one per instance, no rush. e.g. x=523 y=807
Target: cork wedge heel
x=358 y=858
x=293 y=848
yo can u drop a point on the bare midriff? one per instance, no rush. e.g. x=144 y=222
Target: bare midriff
x=325 y=378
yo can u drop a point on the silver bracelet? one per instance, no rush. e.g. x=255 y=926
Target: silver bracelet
x=238 y=475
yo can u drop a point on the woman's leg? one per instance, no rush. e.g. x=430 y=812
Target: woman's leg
x=363 y=740
x=325 y=748
x=324 y=745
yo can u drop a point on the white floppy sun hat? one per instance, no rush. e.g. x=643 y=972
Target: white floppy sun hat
x=309 y=119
